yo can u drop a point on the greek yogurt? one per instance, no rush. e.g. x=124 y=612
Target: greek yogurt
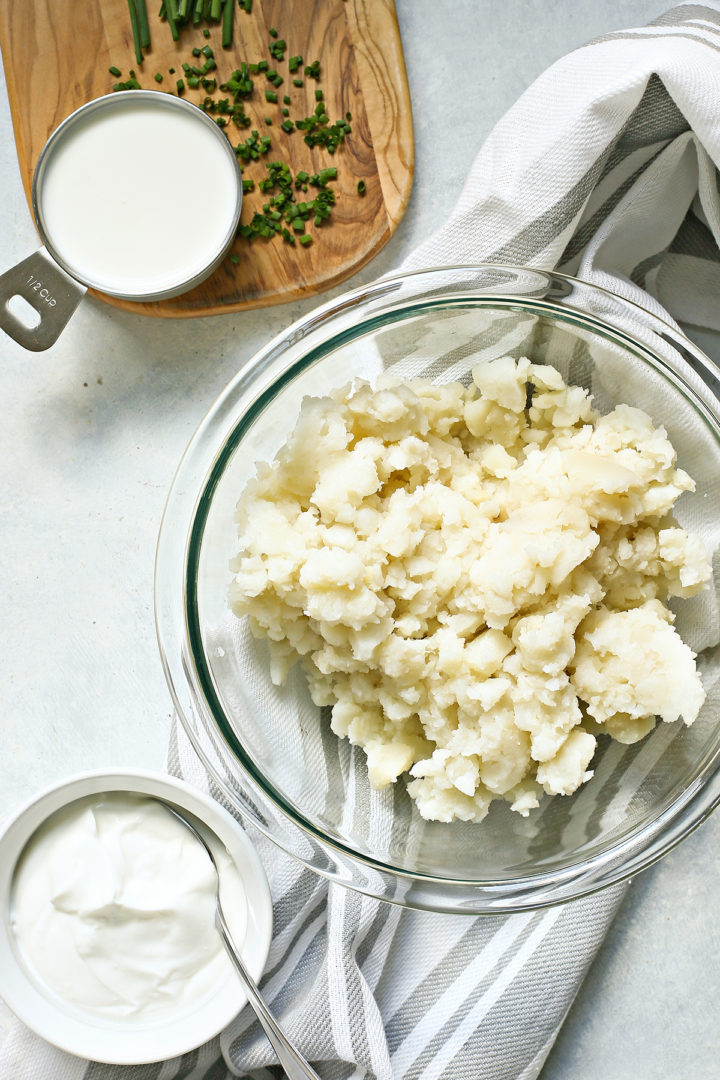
x=113 y=909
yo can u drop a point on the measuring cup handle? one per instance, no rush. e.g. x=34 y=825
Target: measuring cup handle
x=53 y=294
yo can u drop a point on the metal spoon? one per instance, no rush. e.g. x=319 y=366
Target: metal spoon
x=292 y=1061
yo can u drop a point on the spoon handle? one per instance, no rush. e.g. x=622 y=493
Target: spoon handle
x=294 y=1064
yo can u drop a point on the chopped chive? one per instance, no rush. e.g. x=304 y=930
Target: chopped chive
x=286 y=99
x=206 y=32
x=193 y=82
x=180 y=84
x=248 y=185
x=271 y=95
x=268 y=121
x=216 y=10
x=158 y=77
x=305 y=240
x=171 y=70
x=115 y=71
x=294 y=63
x=272 y=32
x=288 y=126
x=318 y=95
x=361 y=187
x=297 y=82
x=286 y=112
x=234 y=259
x=207 y=52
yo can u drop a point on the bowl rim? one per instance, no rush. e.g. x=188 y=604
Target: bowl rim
x=643 y=844
x=97 y=1038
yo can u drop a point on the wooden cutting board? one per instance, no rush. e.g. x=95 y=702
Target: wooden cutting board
x=57 y=54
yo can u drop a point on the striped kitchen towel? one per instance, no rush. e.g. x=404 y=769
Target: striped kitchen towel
x=606 y=168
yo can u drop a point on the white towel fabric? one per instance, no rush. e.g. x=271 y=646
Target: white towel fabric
x=607 y=168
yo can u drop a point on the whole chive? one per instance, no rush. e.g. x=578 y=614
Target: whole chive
x=361 y=187
x=115 y=71
x=135 y=31
x=171 y=14
x=143 y=24
x=158 y=77
x=227 y=23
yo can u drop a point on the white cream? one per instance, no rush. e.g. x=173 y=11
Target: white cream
x=114 y=197
x=113 y=909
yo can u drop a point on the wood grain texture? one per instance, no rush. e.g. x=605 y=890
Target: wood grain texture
x=57 y=55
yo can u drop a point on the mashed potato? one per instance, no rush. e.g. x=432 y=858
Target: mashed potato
x=475 y=580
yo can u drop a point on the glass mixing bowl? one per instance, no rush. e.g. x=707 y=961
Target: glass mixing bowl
x=269 y=750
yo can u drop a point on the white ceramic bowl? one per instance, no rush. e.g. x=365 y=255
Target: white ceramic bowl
x=130 y=1042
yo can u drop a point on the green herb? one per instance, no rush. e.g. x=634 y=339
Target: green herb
x=361 y=187
x=234 y=259
x=158 y=77
x=206 y=32
x=288 y=126
x=277 y=49
x=271 y=95
x=306 y=240
x=268 y=121
x=143 y=24
x=227 y=23
x=297 y=82
x=245 y=5
x=180 y=84
x=318 y=95
x=134 y=25
x=313 y=70
x=115 y=71
x=294 y=63
x=248 y=186
x=273 y=32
